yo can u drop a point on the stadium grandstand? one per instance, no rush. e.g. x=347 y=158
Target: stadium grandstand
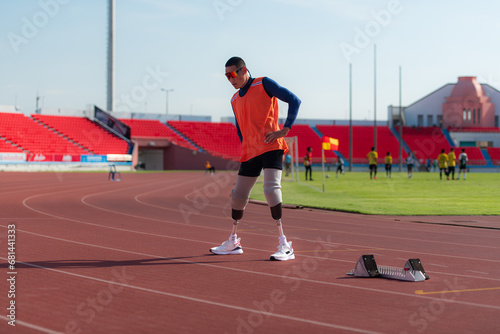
x=146 y=128
x=85 y=132
x=425 y=142
x=218 y=139
x=29 y=136
x=363 y=141
x=459 y=116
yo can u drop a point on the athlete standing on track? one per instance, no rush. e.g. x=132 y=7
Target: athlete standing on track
x=255 y=107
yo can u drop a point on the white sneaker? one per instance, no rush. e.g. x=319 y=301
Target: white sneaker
x=285 y=252
x=228 y=247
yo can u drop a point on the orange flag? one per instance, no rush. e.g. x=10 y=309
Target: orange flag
x=330 y=144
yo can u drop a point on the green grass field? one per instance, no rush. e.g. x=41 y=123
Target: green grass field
x=424 y=194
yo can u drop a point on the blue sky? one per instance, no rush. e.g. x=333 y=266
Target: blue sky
x=58 y=48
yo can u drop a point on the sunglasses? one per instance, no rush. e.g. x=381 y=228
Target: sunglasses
x=233 y=74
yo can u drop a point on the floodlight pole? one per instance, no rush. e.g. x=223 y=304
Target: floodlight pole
x=323 y=165
x=111 y=56
x=400 y=126
x=37 y=110
x=375 y=96
x=167 y=91
x=350 y=117
x=297 y=157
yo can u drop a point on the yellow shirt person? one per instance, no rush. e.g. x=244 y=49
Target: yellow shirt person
x=372 y=157
x=443 y=160
x=443 y=164
x=452 y=162
x=388 y=165
x=452 y=158
x=372 y=161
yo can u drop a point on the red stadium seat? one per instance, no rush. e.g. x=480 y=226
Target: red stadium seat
x=216 y=138
x=155 y=129
x=494 y=153
x=475 y=129
x=307 y=137
x=426 y=142
x=85 y=132
x=34 y=137
x=363 y=137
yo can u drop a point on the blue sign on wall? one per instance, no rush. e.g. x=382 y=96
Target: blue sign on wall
x=94 y=158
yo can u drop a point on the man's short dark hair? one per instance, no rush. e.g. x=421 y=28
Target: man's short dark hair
x=235 y=61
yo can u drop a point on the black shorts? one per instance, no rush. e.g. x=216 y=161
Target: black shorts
x=253 y=167
x=463 y=166
x=388 y=166
x=373 y=167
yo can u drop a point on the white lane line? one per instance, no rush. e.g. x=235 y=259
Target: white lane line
x=438 y=265
x=32 y=326
x=477 y=272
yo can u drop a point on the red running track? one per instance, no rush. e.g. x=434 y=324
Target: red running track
x=132 y=257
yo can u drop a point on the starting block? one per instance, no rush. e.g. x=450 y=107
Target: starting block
x=413 y=271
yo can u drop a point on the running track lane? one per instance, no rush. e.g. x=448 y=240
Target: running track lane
x=132 y=257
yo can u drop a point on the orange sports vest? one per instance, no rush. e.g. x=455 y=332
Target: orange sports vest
x=257 y=114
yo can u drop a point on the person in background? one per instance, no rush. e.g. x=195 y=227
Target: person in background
x=452 y=162
x=209 y=168
x=410 y=162
x=308 y=163
x=388 y=165
x=372 y=161
x=443 y=164
x=340 y=166
x=288 y=163
x=462 y=160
